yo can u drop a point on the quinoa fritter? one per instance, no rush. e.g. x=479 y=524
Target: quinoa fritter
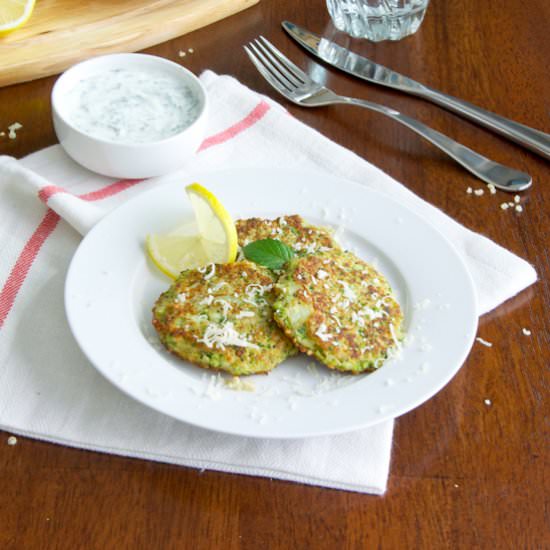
x=339 y=309
x=291 y=230
x=220 y=317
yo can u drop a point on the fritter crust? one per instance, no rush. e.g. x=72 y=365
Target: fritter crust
x=220 y=317
x=291 y=230
x=339 y=309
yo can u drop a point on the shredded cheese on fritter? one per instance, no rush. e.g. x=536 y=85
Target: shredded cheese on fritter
x=219 y=336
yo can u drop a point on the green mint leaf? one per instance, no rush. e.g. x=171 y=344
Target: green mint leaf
x=270 y=253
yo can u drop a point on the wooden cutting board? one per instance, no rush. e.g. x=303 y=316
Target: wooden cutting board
x=63 y=32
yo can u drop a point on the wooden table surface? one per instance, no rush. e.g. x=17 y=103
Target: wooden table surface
x=464 y=474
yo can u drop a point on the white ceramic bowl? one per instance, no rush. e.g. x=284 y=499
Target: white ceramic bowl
x=127 y=160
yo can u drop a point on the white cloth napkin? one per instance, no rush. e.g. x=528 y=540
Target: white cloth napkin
x=49 y=391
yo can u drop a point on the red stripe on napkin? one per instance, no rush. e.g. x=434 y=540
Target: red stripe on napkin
x=110 y=190
x=23 y=264
x=26 y=258
x=46 y=192
x=254 y=116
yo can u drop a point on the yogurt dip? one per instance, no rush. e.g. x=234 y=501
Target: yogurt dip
x=131 y=105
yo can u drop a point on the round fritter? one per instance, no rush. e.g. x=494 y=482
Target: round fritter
x=220 y=317
x=339 y=309
x=291 y=230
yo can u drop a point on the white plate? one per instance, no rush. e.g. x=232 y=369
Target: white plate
x=111 y=288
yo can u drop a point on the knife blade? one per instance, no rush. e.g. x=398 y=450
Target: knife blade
x=361 y=67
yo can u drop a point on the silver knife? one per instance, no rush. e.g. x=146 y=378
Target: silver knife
x=364 y=68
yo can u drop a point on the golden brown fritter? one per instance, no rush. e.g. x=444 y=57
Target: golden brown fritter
x=291 y=230
x=220 y=317
x=339 y=309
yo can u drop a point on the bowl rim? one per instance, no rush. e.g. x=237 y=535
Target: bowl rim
x=56 y=96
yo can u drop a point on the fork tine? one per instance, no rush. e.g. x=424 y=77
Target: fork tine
x=280 y=62
x=298 y=73
x=254 y=57
x=269 y=71
x=270 y=66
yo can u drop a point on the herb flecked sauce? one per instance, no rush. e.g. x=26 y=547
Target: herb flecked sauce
x=131 y=106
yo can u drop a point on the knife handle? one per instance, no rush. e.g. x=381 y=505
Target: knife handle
x=537 y=141
x=499 y=175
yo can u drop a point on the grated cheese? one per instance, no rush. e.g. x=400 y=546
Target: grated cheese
x=484 y=342
x=243 y=314
x=425 y=367
x=217 y=287
x=254 y=288
x=322 y=333
x=12 y=128
x=207 y=301
x=424 y=304
x=225 y=305
x=220 y=336
x=238 y=384
x=371 y=313
x=355 y=318
x=212 y=272
x=348 y=291
x=214 y=388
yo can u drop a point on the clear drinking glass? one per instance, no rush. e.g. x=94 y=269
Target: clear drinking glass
x=377 y=20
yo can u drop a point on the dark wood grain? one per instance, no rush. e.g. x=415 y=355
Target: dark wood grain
x=464 y=474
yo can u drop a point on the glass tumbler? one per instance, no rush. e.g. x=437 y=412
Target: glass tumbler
x=377 y=20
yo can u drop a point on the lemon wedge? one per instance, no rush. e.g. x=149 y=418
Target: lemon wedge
x=211 y=239
x=14 y=13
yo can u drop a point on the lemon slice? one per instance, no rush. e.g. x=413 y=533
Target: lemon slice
x=216 y=228
x=178 y=250
x=14 y=13
x=211 y=239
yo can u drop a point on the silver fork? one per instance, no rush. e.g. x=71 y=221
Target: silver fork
x=291 y=82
